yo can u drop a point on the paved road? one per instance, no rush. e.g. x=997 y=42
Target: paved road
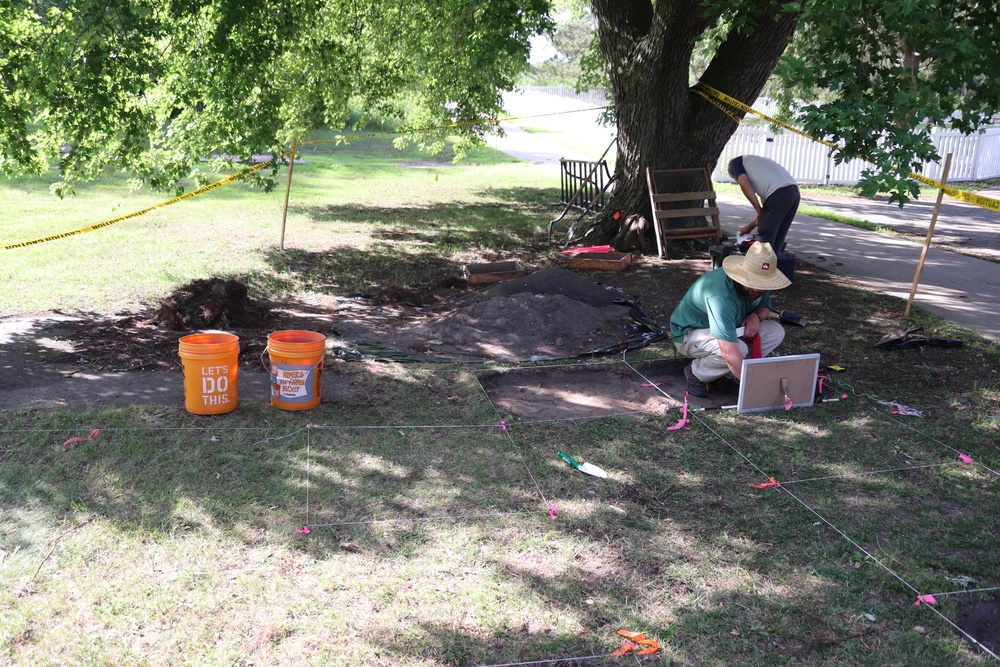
x=959 y=226
x=959 y=288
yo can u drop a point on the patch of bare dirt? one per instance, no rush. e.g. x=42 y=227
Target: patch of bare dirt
x=418 y=297
x=981 y=620
x=549 y=314
x=552 y=313
x=596 y=390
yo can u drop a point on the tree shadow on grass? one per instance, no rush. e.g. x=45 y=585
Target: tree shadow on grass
x=515 y=214
x=675 y=545
x=347 y=271
x=724 y=574
x=411 y=245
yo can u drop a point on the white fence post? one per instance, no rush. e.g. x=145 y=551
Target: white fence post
x=975 y=158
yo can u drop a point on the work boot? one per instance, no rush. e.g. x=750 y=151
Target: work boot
x=695 y=387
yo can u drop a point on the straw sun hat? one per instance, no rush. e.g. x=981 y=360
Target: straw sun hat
x=758 y=269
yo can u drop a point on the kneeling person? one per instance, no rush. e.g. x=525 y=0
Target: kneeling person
x=703 y=326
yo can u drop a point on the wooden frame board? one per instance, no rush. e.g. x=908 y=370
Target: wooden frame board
x=601 y=261
x=494 y=272
x=761 y=382
x=682 y=195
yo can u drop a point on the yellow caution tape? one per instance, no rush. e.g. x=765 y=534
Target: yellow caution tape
x=136 y=214
x=716 y=97
x=261 y=165
x=968 y=197
x=707 y=91
x=719 y=105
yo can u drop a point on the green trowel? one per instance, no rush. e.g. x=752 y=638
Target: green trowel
x=586 y=468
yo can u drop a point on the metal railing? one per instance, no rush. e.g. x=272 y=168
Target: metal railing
x=589 y=182
x=581 y=183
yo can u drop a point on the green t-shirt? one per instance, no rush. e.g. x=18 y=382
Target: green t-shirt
x=714 y=302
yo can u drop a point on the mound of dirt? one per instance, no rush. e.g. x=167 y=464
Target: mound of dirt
x=525 y=326
x=550 y=314
x=213 y=303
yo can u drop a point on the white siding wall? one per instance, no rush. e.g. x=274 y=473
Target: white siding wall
x=974 y=158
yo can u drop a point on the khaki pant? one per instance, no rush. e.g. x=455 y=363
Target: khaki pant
x=708 y=364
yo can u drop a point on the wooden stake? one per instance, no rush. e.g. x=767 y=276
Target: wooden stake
x=930 y=233
x=288 y=189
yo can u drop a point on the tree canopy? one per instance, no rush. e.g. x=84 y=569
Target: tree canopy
x=151 y=86
x=891 y=71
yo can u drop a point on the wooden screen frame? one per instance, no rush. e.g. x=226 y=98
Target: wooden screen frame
x=760 y=383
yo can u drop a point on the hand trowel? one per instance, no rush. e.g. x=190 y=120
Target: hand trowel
x=587 y=468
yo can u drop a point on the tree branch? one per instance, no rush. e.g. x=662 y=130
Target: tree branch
x=630 y=18
x=747 y=57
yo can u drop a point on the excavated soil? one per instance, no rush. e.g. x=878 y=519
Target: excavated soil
x=72 y=359
x=981 y=620
x=549 y=314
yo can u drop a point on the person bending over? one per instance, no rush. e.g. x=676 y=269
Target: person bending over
x=772 y=192
x=703 y=326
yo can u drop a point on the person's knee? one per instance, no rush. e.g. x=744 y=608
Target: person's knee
x=777 y=332
x=771 y=336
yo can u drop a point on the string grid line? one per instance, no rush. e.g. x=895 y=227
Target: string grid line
x=854 y=543
x=507 y=431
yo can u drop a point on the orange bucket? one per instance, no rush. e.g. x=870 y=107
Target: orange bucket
x=296 y=369
x=211 y=367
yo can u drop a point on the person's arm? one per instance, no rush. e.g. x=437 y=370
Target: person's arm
x=733 y=356
x=751 y=195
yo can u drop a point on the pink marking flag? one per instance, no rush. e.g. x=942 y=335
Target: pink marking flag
x=684 y=416
x=93 y=434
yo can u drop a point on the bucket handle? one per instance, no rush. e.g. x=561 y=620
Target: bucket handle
x=267 y=366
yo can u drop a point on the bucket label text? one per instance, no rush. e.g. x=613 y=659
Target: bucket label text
x=291 y=382
x=215 y=385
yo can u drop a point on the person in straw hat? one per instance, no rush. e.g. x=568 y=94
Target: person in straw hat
x=703 y=326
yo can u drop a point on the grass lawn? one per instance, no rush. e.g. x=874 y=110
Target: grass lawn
x=438 y=536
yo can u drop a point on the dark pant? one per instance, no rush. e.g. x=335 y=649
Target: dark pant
x=776 y=216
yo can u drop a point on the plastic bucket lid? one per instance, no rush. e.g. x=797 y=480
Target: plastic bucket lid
x=209 y=343
x=294 y=342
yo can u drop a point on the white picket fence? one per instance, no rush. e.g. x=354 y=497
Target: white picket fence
x=595 y=97
x=974 y=157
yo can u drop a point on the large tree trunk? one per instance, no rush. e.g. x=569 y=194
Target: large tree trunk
x=661 y=123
